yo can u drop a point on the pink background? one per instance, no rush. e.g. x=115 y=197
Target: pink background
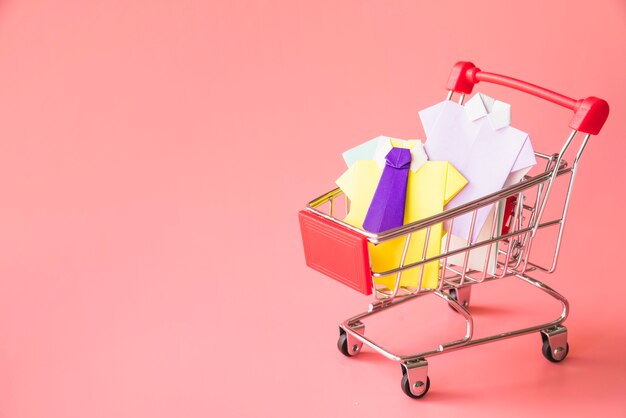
x=154 y=156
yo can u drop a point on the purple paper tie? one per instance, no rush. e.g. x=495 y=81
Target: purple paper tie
x=387 y=208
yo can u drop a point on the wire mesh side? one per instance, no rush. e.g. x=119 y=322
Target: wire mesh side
x=505 y=252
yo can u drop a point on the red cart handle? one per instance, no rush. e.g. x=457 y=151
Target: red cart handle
x=589 y=114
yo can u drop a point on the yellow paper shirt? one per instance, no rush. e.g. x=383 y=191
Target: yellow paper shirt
x=429 y=189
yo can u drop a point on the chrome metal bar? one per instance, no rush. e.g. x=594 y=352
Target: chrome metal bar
x=469 y=327
x=376 y=238
x=455 y=281
x=332 y=202
x=444 y=262
x=496 y=210
x=457 y=251
x=523 y=237
x=467 y=341
x=563 y=218
x=550 y=165
x=545 y=156
x=469 y=243
x=324 y=198
x=432 y=220
x=402 y=260
x=568 y=198
x=581 y=150
x=553 y=176
x=544 y=199
x=424 y=254
x=515 y=226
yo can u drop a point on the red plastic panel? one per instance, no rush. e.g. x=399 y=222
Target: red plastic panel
x=509 y=208
x=336 y=251
x=589 y=114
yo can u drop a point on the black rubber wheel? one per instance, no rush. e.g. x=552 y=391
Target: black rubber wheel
x=407 y=389
x=547 y=352
x=342 y=343
x=453 y=296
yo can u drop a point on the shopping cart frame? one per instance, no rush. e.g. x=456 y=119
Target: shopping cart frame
x=455 y=282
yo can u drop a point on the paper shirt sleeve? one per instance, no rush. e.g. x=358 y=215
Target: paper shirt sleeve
x=359 y=182
x=526 y=157
x=429 y=116
x=346 y=181
x=454 y=183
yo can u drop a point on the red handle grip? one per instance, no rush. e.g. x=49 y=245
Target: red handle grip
x=589 y=114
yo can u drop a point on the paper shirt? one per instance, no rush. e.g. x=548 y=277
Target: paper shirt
x=431 y=185
x=478 y=141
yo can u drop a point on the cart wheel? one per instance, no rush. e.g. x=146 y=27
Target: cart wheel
x=465 y=296
x=406 y=388
x=547 y=352
x=342 y=344
x=452 y=296
x=461 y=295
x=349 y=345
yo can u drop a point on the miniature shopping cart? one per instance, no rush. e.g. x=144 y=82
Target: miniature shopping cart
x=341 y=251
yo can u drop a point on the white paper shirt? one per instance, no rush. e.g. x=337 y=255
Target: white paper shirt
x=479 y=142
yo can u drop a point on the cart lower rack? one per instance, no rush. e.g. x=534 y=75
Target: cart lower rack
x=341 y=250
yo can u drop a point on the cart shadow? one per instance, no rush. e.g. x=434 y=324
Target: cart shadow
x=370 y=357
x=489 y=310
x=448 y=396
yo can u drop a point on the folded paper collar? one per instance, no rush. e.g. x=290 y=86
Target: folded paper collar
x=481 y=105
x=385 y=144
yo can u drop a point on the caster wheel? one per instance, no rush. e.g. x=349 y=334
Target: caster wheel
x=406 y=387
x=548 y=354
x=342 y=345
x=454 y=295
x=348 y=345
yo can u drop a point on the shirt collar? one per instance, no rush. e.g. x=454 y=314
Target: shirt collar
x=498 y=113
x=385 y=143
